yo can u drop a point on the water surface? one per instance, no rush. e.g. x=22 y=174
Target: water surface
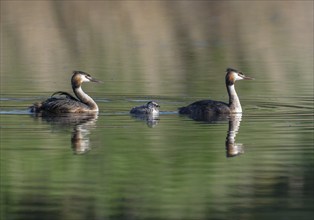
x=258 y=165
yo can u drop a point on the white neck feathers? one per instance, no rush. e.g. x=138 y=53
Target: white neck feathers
x=86 y=99
x=234 y=102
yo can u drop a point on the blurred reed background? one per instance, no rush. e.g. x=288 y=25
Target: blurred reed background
x=153 y=42
x=176 y=52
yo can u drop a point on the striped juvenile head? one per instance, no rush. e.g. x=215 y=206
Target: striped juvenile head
x=152 y=104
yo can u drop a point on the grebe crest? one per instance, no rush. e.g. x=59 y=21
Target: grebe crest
x=203 y=108
x=150 y=107
x=65 y=102
x=79 y=77
x=234 y=75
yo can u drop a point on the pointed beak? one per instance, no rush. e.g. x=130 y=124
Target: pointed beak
x=95 y=80
x=248 y=78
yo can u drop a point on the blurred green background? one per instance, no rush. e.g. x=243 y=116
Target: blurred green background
x=155 y=47
x=174 y=52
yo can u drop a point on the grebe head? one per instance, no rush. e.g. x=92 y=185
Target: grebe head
x=79 y=77
x=234 y=75
x=152 y=105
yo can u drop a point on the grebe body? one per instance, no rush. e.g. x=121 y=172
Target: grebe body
x=151 y=108
x=66 y=103
x=203 y=107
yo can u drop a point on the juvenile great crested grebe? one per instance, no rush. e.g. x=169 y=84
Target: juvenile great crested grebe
x=149 y=108
x=67 y=103
x=211 y=107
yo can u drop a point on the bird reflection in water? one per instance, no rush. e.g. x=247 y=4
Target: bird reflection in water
x=82 y=124
x=232 y=149
x=148 y=112
x=151 y=120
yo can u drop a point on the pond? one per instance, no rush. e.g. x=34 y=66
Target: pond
x=110 y=165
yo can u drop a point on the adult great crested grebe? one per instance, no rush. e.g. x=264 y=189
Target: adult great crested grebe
x=67 y=103
x=203 y=107
x=149 y=108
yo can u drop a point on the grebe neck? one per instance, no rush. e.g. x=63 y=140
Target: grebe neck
x=86 y=99
x=234 y=102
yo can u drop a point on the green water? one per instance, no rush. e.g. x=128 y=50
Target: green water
x=114 y=166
